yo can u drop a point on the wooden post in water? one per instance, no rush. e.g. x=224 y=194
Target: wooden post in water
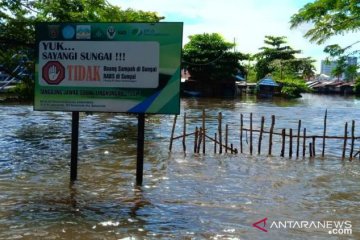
x=140 y=149
x=298 y=139
x=172 y=133
x=290 y=143
x=220 y=131
x=324 y=135
x=345 y=141
x=282 y=143
x=196 y=139
x=310 y=149
x=313 y=146
x=261 y=134
x=304 y=142
x=352 y=139
x=184 y=134
x=215 y=142
x=251 y=134
x=226 y=137
x=241 y=132
x=204 y=131
x=201 y=132
x=271 y=133
x=74 y=145
x=231 y=148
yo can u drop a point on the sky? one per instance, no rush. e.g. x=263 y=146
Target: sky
x=246 y=22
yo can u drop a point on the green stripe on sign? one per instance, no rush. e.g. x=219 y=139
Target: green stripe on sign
x=171 y=89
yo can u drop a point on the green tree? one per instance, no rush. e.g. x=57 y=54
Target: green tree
x=210 y=59
x=274 y=55
x=18 y=18
x=328 y=18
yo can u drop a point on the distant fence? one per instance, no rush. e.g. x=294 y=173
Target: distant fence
x=298 y=143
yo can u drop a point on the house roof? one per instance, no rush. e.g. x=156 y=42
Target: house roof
x=267 y=81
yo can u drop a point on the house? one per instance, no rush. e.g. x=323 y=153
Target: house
x=267 y=87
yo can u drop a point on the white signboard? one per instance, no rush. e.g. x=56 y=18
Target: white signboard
x=99 y=64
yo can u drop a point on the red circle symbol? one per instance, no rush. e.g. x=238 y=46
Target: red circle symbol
x=53 y=72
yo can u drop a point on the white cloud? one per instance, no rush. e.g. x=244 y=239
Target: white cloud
x=248 y=21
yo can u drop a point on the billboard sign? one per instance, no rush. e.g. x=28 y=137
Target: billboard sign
x=108 y=67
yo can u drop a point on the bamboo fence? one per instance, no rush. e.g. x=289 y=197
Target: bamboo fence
x=305 y=144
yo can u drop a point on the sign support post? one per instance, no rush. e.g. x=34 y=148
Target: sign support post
x=74 y=145
x=140 y=149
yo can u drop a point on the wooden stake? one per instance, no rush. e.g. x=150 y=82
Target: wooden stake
x=324 y=134
x=251 y=134
x=313 y=146
x=298 y=139
x=184 y=134
x=271 y=133
x=220 y=132
x=204 y=131
x=261 y=134
x=282 y=143
x=231 y=148
x=310 y=149
x=352 y=139
x=200 y=140
x=241 y=132
x=345 y=141
x=226 y=137
x=172 y=133
x=304 y=142
x=215 y=137
x=290 y=143
x=196 y=139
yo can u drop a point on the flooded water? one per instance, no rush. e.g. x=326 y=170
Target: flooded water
x=184 y=196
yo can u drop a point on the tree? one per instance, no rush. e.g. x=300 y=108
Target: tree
x=274 y=55
x=18 y=18
x=209 y=59
x=328 y=18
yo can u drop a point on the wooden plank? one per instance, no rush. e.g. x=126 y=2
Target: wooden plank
x=324 y=135
x=298 y=139
x=345 y=140
x=172 y=133
x=290 y=143
x=251 y=133
x=283 y=142
x=304 y=142
x=271 y=133
x=184 y=134
x=204 y=130
x=352 y=139
x=241 y=132
x=261 y=134
x=220 y=131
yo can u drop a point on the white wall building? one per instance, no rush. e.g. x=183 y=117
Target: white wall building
x=328 y=66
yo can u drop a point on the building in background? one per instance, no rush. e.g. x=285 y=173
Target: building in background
x=328 y=66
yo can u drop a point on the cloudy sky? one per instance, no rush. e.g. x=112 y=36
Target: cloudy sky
x=246 y=21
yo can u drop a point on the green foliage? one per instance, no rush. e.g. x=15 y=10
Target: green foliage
x=208 y=58
x=328 y=18
x=357 y=86
x=18 y=18
x=274 y=55
x=292 y=87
